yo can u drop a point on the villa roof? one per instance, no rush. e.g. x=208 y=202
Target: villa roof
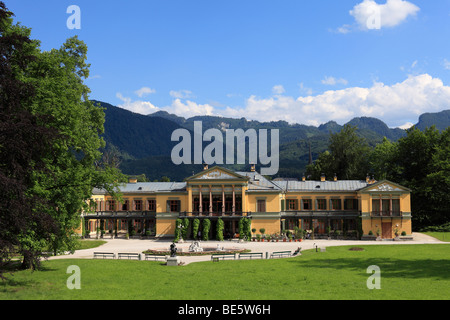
x=321 y=186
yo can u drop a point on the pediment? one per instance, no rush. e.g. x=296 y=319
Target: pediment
x=217 y=173
x=386 y=186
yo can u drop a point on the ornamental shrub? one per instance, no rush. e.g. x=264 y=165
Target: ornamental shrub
x=206 y=227
x=219 y=229
x=196 y=225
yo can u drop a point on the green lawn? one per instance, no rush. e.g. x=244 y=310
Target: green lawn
x=443 y=236
x=407 y=272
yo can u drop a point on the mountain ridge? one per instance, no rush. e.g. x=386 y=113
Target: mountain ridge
x=144 y=141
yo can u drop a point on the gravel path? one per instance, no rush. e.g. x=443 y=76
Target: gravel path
x=138 y=246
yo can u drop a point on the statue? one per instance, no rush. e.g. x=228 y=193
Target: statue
x=173 y=250
x=195 y=247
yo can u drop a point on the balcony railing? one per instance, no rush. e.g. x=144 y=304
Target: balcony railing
x=214 y=214
x=389 y=213
x=120 y=214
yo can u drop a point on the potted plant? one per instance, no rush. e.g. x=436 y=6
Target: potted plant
x=378 y=234
x=253 y=231
x=337 y=233
x=258 y=237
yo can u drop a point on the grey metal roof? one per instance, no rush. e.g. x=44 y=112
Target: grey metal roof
x=148 y=187
x=318 y=186
x=257 y=182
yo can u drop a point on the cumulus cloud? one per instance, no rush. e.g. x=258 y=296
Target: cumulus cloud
x=144 y=91
x=142 y=107
x=189 y=108
x=181 y=94
x=395 y=104
x=278 y=89
x=371 y=15
x=332 y=81
x=398 y=105
x=446 y=64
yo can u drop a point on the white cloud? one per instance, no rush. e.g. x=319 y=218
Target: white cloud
x=144 y=91
x=331 y=81
x=406 y=125
x=370 y=15
x=189 y=108
x=278 y=89
x=398 y=105
x=181 y=94
x=395 y=104
x=142 y=107
x=96 y=76
x=446 y=64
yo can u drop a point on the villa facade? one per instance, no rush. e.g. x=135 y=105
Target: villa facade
x=353 y=208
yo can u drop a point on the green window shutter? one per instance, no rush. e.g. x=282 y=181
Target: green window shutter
x=283 y=204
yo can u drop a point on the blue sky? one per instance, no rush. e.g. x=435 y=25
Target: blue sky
x=300 y=61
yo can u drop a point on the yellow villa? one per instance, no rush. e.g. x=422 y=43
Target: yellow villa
x=349 y=208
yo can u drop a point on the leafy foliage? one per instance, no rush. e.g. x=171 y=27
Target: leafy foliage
x=49 y=143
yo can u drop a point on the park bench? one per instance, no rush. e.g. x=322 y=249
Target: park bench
x=129 y=255
x=217 y=257
x=251 y=255
x=104 y=255
x=154 y=257
x=279 y=254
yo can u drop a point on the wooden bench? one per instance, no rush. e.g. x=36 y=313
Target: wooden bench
x=128 y=255
x=251 y=255
x=217 y=257
x=154 y=257
x=104 y=255
x=279 y=254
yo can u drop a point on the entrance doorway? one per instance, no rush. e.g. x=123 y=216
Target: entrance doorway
x=386 y=230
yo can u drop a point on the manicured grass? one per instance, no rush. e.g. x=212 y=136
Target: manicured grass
x=407 y=272
x=443 y=236
x=89 y=244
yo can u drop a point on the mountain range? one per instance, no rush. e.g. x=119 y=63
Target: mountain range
x=144 y=141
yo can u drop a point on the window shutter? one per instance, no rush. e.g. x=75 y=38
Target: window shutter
x=283 y=204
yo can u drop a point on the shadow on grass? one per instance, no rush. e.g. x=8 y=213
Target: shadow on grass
x=395 y=268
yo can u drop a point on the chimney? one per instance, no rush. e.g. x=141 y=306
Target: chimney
x=252 y=168
x=303 y=178
x=205 y=166
x=322 y=177
x=335 y=177
x=367 y=178
x=132 y=180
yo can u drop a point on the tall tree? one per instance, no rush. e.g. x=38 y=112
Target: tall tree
x=347 y=156
x=421 y=161
x=70 y=163
x=23 y=140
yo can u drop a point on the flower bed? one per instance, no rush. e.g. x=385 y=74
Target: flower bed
x=204 y=252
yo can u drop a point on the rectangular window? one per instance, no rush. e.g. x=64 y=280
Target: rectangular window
x=336 y=204
x=395 y=206
x=152 y=205
x=307 y=204
x=375 y=205
x=261 y=205
x=292 y=204
x=350 y=204
x=111 y=205
x=321 y=204
x=126 y=205
x=138 y=205
x=174 y=205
